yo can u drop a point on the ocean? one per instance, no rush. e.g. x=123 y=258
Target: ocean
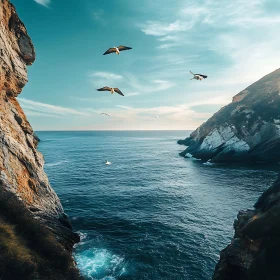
x=151 y=214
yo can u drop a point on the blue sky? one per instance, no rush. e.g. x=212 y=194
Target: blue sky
x=234 y=42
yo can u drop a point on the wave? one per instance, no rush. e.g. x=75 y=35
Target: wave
x=96 y=263
x=209 y=163
x=56 y=163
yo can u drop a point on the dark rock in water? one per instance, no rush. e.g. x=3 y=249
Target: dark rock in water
x=246 y=130
x=254 y=252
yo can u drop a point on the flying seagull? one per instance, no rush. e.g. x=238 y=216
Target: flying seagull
x=105 y=114
x=198 y=76
x=113 y=90
x=108 y=162
x=117 y=50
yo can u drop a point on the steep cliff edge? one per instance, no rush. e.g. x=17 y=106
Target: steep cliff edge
x=25 y=192
x=246 y=130
x=254 y=252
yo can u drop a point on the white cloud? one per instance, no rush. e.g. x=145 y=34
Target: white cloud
x=43 y=2
x=132 y=94
x=146 y=85
x=98 y=15
x=156 y=28
x=106 y=75
x=124 y=107
x=170 y=117
x=35 y=108
x=236 y=43
x=162 y=85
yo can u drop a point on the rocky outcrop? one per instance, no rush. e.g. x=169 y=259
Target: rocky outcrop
x=21 y=165
x=246 y=130
x=254 y=252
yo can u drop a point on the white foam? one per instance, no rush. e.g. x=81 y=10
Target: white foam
x=209 y=163
x=188 y=155
x=56 y=163
x=100 y=264
x=82 y=235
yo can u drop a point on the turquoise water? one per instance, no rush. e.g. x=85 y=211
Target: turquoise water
x=151 y=214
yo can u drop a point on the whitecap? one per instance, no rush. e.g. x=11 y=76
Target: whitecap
x=100 y=264
x=56 y=163
x=82 y=235
x=209 y=163
x=188 y=155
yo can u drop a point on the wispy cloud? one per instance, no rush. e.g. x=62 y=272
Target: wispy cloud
x=98 y=15
x=106 y=75
x=146 y=86
x=132 y=94
x=170 y=117
x=35 y=108
x=124 y=107
x=156 y=28
x=44 y=3
x=236 y=42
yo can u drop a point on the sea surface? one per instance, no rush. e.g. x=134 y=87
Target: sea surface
x=151 y=214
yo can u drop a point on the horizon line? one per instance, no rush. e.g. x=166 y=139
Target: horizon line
x=97 y=130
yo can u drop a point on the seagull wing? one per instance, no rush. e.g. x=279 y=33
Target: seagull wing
x=104 y=89
x=111 y=50
x=203 y=76
x=124 y=48
x=118 y=91
x=105 y=114
x=192 y=73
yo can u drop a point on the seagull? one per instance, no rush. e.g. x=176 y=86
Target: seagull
x=105 y=114
x=108 y=162
x=117 y=50
x=113 y=90
x=198 y=76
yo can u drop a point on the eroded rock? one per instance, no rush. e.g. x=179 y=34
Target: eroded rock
x=246 y=130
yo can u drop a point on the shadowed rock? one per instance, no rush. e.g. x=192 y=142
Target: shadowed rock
x=254 y=252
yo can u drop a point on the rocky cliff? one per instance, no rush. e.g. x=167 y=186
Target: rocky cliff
x=246 y=130
x=26 y=196
x=254 y=252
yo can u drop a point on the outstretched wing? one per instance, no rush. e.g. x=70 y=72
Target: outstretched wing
x=118 y=91
x=105 y=114
x=203 y=76
x=111 y=50
x=192 y=73
x=124 y=48
x=104 y=89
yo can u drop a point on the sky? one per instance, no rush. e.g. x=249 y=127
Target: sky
x=235 y=43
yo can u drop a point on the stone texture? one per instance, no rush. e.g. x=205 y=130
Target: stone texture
x=254 y=252
x=246 y=130
x=21 y=164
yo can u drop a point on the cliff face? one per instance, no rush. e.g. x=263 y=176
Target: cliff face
x=254 y=252
x=246 y=130
x=21 y=165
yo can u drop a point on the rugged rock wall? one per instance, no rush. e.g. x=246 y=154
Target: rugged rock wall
x=246 y=130
x=254 y=252
x=21 y=165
